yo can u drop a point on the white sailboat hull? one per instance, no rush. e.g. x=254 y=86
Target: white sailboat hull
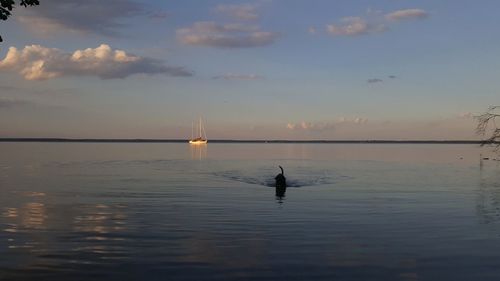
x=198 y=141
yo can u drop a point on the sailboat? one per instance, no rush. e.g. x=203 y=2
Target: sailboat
x=202 y=136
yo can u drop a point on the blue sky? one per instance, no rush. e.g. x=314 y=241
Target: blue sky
x=264 y=69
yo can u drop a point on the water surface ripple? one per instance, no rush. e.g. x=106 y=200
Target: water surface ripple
x=170 y=212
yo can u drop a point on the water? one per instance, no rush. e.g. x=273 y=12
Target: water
x=83 y=211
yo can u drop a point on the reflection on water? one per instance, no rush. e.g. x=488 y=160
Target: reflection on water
x=34 y=215
x=10 y=213
x=21 y=222
x=198 y=152
x=98 y=230
x=76 y=234
x=298 y=176
x=101 y=220
x=161 y=212
x=205 y=248
x=280 y=193
x=31 y=215
x=488 y=199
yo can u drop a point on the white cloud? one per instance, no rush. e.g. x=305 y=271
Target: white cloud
x=353 y=26
x=312 y=30
x=407 y=14
x=233 y=76
x=36 y=62
x=239 y=11
x=225 y=36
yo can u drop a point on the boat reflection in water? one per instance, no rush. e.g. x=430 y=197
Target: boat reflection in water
x=198 y=151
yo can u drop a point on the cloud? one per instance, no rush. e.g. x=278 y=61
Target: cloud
x=89 y=16
x=466 y=115
x=310 y=126
x=36 y=62
x=355 y=120
x=159 y=15
x=312 y=30
x=407 y=14
x=239 y=11
x=233 y=76
x=392 y=76
x=225 y=36
x=354 y=26
x=374 y=22
x=212 y=27
x=374 y=80
x=325 y=126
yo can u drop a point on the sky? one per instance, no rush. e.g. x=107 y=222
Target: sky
x=262 y=69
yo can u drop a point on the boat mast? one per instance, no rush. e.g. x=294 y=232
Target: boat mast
x=204 y=133
x=200 y=127
x=192 y=129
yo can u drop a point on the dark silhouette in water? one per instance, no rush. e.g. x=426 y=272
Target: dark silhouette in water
x=280 y=184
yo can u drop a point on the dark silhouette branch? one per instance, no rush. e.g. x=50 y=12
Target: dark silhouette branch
x=6 y=7
x=486 y=121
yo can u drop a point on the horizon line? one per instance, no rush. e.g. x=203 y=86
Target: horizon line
x=147 y=140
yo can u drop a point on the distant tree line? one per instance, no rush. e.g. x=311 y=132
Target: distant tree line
x=6 y=7
x=488 y=127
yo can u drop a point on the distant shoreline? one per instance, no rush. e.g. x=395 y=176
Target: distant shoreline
x=238 y=141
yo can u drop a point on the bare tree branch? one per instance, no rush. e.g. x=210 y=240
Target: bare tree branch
x=488 y=128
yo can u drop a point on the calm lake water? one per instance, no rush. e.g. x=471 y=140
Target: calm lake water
x=167 y=211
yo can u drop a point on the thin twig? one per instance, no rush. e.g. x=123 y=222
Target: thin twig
x=486 y=121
